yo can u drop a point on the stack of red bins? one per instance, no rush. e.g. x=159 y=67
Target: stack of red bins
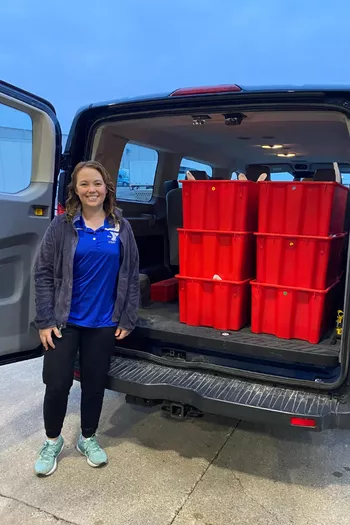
x=217 y=253
x=300 y=244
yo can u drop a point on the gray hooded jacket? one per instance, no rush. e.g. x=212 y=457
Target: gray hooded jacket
x=54 y=275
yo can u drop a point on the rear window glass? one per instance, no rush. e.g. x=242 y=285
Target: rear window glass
x=187 y=164
x=346 y=179
x=280 y=176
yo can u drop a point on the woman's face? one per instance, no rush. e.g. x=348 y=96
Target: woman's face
x=90 y=188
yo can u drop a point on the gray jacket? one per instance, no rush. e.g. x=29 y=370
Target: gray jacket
x=54 y=275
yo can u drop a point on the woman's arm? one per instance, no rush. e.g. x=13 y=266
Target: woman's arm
x=128 y=317
x=44 y=281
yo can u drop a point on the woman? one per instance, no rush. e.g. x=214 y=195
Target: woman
x=87 y=295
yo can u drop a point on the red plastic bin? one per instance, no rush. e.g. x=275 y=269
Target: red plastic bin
x=223 y=305
x=221 y=205
x=165 y=291
x=302 y=208
x=208 y=253
x=305 y=262
x=293 y=313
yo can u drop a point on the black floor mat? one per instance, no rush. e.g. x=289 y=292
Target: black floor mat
x=161 y=322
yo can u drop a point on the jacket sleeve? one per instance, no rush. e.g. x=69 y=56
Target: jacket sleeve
x=44 y=281
x=128 y=317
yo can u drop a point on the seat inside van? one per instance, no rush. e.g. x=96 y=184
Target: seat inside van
x=174 y=215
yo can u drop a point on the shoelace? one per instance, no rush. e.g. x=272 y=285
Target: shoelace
x=47 y=452
x=91 y=445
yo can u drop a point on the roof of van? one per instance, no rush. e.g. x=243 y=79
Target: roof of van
x=210 y=90
x=217 y=91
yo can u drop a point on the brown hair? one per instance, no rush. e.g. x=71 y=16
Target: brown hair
x=73 y=203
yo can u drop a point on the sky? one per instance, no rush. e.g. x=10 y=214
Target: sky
x=77 y=52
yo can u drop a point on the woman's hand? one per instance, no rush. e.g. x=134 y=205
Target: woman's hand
x=120 y=333
x=46 y=336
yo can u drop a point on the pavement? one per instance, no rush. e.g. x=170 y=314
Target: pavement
x=209 y=471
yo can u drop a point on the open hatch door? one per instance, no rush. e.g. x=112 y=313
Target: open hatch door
x=30 y=154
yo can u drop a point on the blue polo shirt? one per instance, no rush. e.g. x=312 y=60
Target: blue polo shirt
x=95 y=272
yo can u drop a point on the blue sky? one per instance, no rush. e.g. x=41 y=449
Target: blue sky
x=76 y=52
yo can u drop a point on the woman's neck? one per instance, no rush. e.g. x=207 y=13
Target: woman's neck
x=93 y=216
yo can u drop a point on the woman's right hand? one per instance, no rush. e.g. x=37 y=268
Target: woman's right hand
x=46 y=336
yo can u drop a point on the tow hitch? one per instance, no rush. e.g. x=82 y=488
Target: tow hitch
x=180 y=411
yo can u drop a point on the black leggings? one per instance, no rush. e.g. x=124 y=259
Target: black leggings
x=95 y=347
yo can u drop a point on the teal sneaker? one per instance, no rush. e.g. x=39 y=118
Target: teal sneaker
x=95 y=455
x=46 y=463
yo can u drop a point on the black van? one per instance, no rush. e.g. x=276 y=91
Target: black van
x=291 y=133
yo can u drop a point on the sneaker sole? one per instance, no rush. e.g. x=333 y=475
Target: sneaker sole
x=54 y=468
x=93 y=465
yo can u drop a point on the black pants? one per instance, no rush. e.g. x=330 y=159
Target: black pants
x=95 y=347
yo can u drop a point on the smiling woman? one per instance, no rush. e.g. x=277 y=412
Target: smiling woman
x=92 y=188
x=86 y=298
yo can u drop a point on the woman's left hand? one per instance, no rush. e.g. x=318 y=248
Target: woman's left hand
x=120 y=333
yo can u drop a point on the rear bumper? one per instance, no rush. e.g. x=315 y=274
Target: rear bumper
x=226 y=396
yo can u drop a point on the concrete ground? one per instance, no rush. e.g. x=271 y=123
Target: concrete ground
x=164 y=472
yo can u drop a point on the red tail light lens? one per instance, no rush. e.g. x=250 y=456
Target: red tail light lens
x=60 y=209
x=206 y=90
x=303 y=422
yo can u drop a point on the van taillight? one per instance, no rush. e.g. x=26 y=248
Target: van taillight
x=303 y=422
x=206 y=90
x=60 y=209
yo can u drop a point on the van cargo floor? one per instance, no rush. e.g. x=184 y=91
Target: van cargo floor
x=160 y=322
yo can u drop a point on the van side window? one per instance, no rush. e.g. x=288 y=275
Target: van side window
x=187 y=164
x=137 y=173
x=15 y=150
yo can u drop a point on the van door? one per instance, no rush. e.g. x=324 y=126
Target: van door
x=30 y=151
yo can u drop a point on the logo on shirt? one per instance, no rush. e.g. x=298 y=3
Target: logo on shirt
x=113 y=235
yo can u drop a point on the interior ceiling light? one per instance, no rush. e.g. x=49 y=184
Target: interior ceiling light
x=272 y=146
x=286 y=154
x=200 y=120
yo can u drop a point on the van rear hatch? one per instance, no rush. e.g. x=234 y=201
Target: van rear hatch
x=227 y=129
